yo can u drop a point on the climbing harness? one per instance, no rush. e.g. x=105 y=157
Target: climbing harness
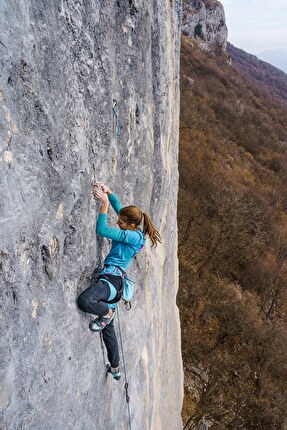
x=109 y=274
x=116 y=115
x=125 y=372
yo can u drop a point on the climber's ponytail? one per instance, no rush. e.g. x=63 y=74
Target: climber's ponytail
x=134 y=215
x=150 y=230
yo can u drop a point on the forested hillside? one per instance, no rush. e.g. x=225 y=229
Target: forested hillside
x=232 y=218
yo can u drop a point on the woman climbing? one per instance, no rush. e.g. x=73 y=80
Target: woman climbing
x=102 y=298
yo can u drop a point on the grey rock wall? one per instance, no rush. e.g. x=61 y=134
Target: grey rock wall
x=211 y=16
x=61 y=65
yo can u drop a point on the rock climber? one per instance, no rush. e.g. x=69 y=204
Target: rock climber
x=102 y=297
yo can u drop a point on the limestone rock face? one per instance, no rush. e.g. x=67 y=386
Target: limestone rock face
x=205 y=19
x=62 y=65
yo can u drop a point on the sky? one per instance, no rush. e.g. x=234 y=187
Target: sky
x=256 y=25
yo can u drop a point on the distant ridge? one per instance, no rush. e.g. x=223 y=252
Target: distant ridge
x=277 y=57
x=272 y=80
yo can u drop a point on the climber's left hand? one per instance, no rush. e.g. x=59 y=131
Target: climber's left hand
x=104 y=187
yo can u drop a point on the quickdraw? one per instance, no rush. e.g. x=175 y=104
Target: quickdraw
x=116 y=115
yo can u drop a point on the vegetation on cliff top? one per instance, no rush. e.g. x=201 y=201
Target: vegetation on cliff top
x=232 y=216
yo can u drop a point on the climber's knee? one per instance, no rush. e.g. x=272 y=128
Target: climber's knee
x=92 y=300
x=84 y=301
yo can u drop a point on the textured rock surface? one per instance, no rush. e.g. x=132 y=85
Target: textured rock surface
x=62 y=64
x=211 y=16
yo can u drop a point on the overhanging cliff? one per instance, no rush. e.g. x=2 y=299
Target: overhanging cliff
x=62 y=64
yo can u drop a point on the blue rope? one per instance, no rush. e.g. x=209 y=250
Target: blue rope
x=125 y=372
x=115 y=111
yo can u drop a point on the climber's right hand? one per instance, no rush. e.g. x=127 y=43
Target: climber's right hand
x=100 y=195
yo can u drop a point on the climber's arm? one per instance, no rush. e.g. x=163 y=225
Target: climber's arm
x=103 y=229
x=116 y=205
x=127 y=236
x=114 y=201
x=103 y=198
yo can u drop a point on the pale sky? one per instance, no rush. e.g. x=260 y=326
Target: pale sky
x=256 y=25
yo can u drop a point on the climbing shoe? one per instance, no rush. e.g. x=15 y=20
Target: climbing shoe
x=100 y=323
x=116 y=373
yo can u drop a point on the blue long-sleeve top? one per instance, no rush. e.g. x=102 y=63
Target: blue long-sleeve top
x=125 y=243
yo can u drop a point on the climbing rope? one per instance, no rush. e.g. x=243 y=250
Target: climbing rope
x=115 y=111
x=125 y=372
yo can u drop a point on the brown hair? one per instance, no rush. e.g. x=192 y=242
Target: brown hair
x=134 y=215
